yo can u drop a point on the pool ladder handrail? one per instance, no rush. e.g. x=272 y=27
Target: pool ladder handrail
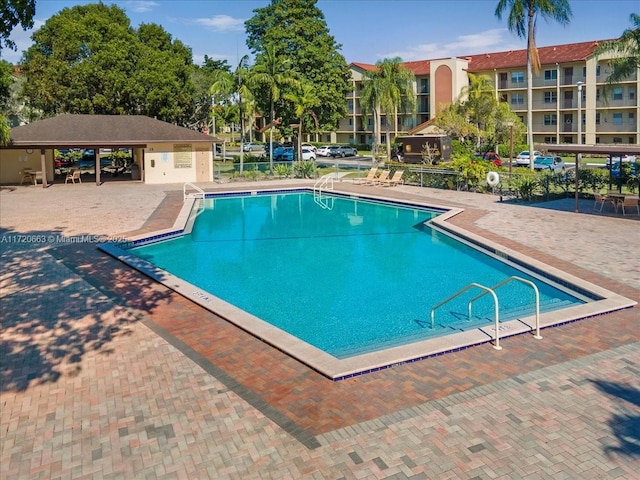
x=200 y=193
x=491 y=290
x=325 y=181
x=496 y=344
x=515 y=278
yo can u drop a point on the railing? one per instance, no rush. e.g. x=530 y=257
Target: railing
x=326 y=183
x=491 y=290
x=200 y=193
x=496 y=344
x=526 y=282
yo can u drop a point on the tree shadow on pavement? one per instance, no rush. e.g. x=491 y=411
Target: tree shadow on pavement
x=625 y=426
x=58 y=303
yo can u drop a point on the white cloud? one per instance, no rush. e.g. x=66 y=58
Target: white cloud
x=222 y=23
x=141 y=6
x=484 y=42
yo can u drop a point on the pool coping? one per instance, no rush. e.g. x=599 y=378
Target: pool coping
x=336 y=369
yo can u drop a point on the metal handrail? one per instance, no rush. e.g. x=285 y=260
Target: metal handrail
x=323 y=182
x=184 y=190
x=518 y=279
x=496 y=344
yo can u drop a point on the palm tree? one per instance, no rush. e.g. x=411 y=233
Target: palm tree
x=272 y=71
x=626 y=50
x=385 y=90
x=235 y=84
x=480 y=101
x=5 y=131
x=522 y=20
x=303 y=100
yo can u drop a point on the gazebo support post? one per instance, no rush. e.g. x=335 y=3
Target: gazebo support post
x=43 y=167
x=97 y=155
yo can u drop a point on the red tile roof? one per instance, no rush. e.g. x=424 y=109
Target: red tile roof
x=570 y=52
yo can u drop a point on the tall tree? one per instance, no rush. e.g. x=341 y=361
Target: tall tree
x=385 y=90
x=298 y=31
x=88 y=59
x=235 y=85
x=272 y=72
x=625 y=50
x=304 y=101
x=13 y=13
x=522 y=20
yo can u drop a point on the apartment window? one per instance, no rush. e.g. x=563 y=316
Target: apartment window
x=632 y=93
x=351 y=122
x=550 y=139
x=632 y=118
x=617 y=139
x=550 y=97
x=598 y=71
x=597 y=139
x=517 y=77
x=597 y=94
x=503 y=97
x=517 y=99
x=597 y=118
x=567 y=140
x=550 y=74
x=424 y=85
x=617 y=93
x=632 y=140
x=617 y=119
x=369 y=122
x=350 y=105
x=584 y=71
x=551 y=119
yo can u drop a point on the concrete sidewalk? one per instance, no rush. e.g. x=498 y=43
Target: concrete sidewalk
x=108 y=375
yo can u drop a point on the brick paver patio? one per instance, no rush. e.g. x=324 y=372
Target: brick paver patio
x=106 y=374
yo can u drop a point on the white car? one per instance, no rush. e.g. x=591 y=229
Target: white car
x=308 y=154
x=324 y=151
x=310 y=147
x=523 y=157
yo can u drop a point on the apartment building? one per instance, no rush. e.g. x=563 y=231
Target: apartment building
x=567 y=71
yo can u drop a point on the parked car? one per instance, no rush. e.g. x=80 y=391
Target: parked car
x=342 y=151
x=284 y=154
x=554 y=164
x=323 y=151
x=310 y=147
x=308 y=154
x=492 y=157
x=523 y=157
x=267 y=149
x=628 y=169
x=251 y=147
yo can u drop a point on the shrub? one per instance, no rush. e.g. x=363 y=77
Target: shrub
x=303 y=169
x=282 y=170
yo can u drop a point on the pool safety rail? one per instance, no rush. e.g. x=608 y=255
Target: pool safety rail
x=199 y=192
x=324 y=183
x=491 y=290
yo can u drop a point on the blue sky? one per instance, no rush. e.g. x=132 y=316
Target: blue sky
x=368 y=30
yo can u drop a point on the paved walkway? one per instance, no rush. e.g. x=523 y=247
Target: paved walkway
x=108 y=375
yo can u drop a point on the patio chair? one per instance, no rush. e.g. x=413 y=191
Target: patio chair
x=382 y=178
x=601 y=200
x=73 y=175
x=394 y=180
x=368 y=179
x=27 y=174
x=629 y=202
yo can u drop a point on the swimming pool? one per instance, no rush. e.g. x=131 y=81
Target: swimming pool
x=353 y=281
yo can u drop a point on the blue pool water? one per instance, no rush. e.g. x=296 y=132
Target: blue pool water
x=356 y=278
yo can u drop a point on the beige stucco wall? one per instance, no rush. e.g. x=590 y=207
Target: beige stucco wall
x=162 y=163
x=12 y=162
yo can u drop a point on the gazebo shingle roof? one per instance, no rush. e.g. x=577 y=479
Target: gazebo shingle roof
x=102 y=131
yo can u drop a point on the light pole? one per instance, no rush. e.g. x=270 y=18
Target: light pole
x=578 y=155
x=579 y=84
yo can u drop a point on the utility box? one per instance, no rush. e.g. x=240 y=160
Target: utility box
x=430 y=149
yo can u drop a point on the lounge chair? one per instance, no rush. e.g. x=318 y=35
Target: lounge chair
x=368 y=179
x=382 y=178
x=601 y=200
x=394 y=180
x=630 y=202
x=73 y=175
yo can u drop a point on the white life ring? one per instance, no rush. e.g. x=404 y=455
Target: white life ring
x=493 y=179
